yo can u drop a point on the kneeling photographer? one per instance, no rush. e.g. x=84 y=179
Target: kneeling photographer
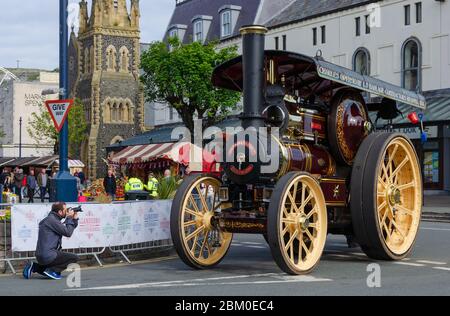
x=51 y=261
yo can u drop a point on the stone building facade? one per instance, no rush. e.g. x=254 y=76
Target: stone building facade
x=104 y=74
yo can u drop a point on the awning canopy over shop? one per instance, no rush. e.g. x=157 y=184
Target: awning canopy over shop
x=5 y=160
x=146 y=153
x=43 y=162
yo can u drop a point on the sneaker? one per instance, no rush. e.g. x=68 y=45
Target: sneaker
x=52 y=274
x=28 y=271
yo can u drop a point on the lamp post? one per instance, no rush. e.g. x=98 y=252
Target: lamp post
x=65 y=183
x=20 y=137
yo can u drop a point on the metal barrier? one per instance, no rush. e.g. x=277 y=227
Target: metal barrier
x=8 y=256
x=158 y=244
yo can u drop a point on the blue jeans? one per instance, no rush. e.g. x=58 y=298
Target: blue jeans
x=43 y=191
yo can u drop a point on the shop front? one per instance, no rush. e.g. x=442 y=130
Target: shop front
x=432 y=154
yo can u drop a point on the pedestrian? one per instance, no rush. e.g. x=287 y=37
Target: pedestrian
x=3 y=177
x=24 y=189
x=134 y=184
x=43 y=182
x=152 y=186
x=31 y=186
x=167 y=174
x=51 y=261
x=110 y=185
x=17 y=180
x=82 y=177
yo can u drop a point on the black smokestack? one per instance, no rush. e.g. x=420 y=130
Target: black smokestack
x=253 y=42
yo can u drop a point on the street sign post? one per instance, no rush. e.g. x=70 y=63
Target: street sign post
x=64 y=183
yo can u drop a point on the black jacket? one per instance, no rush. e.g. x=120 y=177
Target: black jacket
x=51 y=231
x=3 y=176
x=110 y=184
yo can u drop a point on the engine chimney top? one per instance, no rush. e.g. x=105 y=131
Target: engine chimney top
x=253 y=29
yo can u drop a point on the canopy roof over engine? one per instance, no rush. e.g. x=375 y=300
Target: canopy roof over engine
x=307 y=76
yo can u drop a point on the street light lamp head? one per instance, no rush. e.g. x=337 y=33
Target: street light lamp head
x=49 y=92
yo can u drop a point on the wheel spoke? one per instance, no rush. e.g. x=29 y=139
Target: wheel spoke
x=195 y=233
x=293 y=204
x=392 y=156
x=208 y=247
x=285 y=230
x=313 y=225
x=309 y=235
x=382 y=206
x=312 y=212
x=194 y=204
x=289 y=244
x=388 y=232
x=191 y=212
x=307 y=251
x=406 y=186
x=194 y=244
x=405 y=210
x=399 y=167
x=300 y=238
x=202 y=198
x=190 y=223
x=202 y=248
x=308 y=199
x=397 y=229
x=385 y=215
x=384 y=175
x=295 y=191
x=303 y=193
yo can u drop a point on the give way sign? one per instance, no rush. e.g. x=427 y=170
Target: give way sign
x=59 y=110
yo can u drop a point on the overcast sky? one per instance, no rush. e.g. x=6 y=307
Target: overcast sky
x=29 y=30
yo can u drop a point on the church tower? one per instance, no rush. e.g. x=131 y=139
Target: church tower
x=104 y=74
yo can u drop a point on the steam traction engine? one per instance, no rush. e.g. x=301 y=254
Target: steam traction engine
x=336 y=174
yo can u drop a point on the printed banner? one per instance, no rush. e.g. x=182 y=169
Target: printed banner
x=100 y=225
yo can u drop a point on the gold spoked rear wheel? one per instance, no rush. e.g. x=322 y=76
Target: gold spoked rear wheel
x=386 y=196
x=197 y=238
x=399 y=196
x=297 y=224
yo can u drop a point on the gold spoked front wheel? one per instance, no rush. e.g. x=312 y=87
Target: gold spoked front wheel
x=297 y=223
x=399 y=196
x=386 y=196
x=197 y=238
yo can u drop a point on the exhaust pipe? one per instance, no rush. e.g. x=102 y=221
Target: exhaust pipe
x=253 y=43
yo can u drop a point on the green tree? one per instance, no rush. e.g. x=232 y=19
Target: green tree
x=42 y=129
x=181 y=76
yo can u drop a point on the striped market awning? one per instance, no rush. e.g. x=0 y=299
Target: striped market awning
x=73 y=163
x=147 y=153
